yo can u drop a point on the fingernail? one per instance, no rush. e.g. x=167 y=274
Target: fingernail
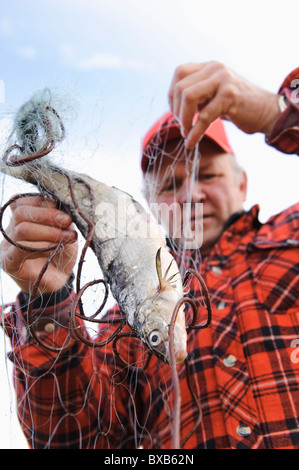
x=189 y=143
x=62 y=219
x=70 y=234
x=74 y=234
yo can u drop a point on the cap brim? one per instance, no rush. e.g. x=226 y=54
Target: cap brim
x=167 y=128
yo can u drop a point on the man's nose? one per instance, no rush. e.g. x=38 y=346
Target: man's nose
x=190 y=191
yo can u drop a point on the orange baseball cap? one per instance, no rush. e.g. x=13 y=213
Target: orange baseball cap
x=167 y=128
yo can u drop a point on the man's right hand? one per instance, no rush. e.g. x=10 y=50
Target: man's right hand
x=37 y=223
x=213 y=90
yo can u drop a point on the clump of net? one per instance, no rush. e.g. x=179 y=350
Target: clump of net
x=36 y=123
x=36 y=129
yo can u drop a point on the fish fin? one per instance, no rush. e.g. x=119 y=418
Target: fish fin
x=159 y=268
x=171 y=277
x=166 y=272
x=163 y=282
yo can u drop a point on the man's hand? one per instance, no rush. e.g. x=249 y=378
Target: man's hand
x=213 y=90
x=37 y=223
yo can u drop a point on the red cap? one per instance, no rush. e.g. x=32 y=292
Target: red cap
x=167 y=128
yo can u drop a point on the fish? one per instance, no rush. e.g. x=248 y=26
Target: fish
x=128 y=243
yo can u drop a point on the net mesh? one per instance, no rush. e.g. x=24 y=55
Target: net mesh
x=112 y=403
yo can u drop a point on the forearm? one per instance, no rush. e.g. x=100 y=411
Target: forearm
x=49 y=310
x=201 y=93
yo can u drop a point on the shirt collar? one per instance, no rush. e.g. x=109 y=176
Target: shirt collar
x=237 y=226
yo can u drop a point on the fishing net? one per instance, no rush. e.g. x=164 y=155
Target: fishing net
x=125 y=396
x=175 y=217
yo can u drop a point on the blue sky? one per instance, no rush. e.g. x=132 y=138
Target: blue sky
x=113 y=61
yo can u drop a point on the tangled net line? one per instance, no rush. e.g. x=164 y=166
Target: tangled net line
x=29 y=153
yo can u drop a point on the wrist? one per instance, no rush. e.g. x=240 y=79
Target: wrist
x=50 y=319
x=48 y=299
x=273 y=111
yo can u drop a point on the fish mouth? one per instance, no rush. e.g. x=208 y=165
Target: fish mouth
x=163 y=349
x=180 y=356
x=163 y=354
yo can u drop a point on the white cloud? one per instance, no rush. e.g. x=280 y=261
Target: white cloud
x=100 y=60
x=6 y=28
x=111 y=61
x=27 y=52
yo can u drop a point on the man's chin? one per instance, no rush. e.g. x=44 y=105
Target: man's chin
x=192 y=242
x=198 y=236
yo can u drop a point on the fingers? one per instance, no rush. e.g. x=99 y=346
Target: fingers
x=26 y=269
x=180 y=73
x=211 y=90
x=36 y=238
x=206 y=116
x=14 y=259
x=196 y=99
x=36 y=219
x=36 y=224
x=39 y=210
x=202 y=89
x=31 y=232
x=37 y=200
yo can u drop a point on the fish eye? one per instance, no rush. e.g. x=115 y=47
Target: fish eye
x=155 y=338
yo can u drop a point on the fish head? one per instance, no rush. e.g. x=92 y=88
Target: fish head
x=153 y=319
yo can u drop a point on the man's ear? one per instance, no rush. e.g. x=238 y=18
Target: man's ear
x=243 y=184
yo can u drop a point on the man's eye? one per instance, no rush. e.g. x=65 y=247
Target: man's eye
x=207 y=176
x=167 y=187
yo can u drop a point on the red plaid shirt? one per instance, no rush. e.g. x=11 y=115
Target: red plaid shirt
x=244 y=368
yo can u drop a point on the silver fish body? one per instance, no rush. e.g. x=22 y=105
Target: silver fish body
x=126 y=242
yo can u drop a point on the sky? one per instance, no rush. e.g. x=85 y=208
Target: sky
x=109 y=64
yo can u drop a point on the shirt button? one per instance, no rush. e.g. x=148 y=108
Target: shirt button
x=6 y=310
x=24 y=331
x=221 y=305
x=230 y=360
x=243 y=430
x=49 y=327
x=216 y=269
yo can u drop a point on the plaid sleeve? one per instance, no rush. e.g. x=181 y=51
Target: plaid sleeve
x=285 y=134
x=64 y=399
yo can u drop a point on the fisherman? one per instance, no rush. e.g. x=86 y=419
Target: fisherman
x=244 y=368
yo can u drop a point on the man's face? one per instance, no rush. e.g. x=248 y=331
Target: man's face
x=216 y=183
